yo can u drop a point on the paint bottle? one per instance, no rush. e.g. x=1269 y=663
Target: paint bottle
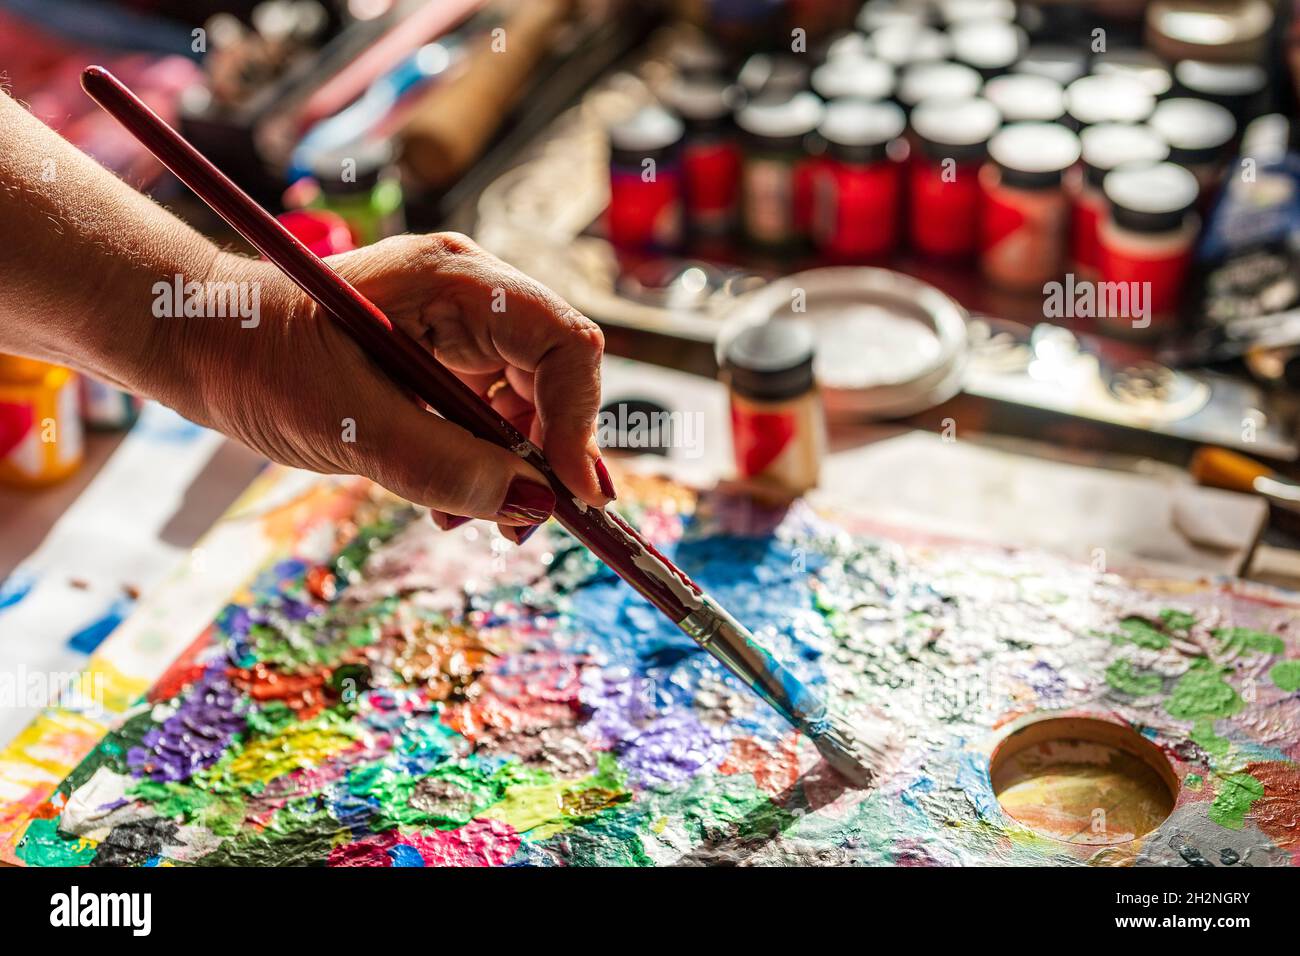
x=778 y=169
x=1064 y=64
x=645 y=211
x=360 y=184
x=778 y=425
x=855 y=77
x=1239 y=88
x=859 y=182
x=1138 y=64
x=1104 y=147
x=1108 y=98
x=944 y=175
x=1024 y=221
x=937 y=81
x=1026 y=98
x=710 y=154
x=106 y=408
x=1147 y=242
x=41 y=438
x=1199 y=135
x=990 y=46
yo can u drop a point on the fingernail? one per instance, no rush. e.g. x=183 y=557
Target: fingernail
x=602 y=476
x=528 y=501
x=520 y=535
x=447 y=522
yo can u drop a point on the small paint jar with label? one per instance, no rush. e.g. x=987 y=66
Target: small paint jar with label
x=1108 y=98
x=778 y=424
x=710 y=154
x=1104 y=147
x=1199 y=134
x=645 y=211
x=853 y=77
x=944 y=200
x=360 y=183
x=936 y=81
x=1146 y=244
x=41 y=438
x=778 y=169
x=990 y=46
x=1024 y=221
x=859 y=182
x=1025 y=98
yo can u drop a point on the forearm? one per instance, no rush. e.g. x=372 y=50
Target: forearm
x=82 y=252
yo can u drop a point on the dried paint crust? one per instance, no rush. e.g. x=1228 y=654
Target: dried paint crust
x=427 y=698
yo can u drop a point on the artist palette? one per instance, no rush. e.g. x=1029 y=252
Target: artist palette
x=377 y=692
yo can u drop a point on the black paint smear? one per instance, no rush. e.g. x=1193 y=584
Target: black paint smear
x=1228 y=856
x=1193 y=856
x=134 y=843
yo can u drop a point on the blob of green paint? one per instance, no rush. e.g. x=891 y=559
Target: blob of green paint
x=1139 y=631
x=1239 y=640
x=1193 y=782
x=1202 y=692
x=1233 y=801
x=1203 y=736
x=1286 y=675
x=42 y=845
x=1176 y=620
x=1121 y=676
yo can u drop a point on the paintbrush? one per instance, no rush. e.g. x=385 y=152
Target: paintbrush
x=406 y=362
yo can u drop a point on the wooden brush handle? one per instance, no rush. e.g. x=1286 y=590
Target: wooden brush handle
x=452 y=125
x=1221 y=468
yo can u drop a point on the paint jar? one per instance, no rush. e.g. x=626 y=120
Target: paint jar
x=1105 y=147
x=1138 y=64
x=106 y=408
x=855 y=77
x=1239 y=88
x=936 y=81
x=41 y=439
x=902 y=44
x=645 y=212
x=1223 y=30
x=990 y=46
x=944 y=175
x=1108 y=98
x=1025 y=98
x=1024 y=220
x=778 y=169
x=778 y=424
x=1147 y=242
x=710 y=154
x=1199 y=135
x=360 y=184
x=859 y=184
x=1063 y=64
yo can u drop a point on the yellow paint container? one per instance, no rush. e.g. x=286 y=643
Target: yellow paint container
x=41 y=439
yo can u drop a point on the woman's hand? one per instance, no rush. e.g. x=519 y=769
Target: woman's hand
x=297 y=389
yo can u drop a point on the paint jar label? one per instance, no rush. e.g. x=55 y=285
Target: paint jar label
x=855 y=213
x=712 y=175
x=645 y=210
x=945 y=208
x=1022 y=234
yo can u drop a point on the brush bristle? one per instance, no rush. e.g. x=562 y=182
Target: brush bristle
x=857 y=753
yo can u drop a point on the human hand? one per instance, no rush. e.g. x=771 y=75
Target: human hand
x=297 y=389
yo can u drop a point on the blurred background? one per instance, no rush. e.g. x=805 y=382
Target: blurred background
x=1042 y=256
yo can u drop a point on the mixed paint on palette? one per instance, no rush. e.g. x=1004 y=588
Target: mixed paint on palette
x=383 y=693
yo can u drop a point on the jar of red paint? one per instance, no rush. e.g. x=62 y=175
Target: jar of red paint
x=1105 y=147
x=1108 y=98
x=777 y=169
x=859 y=183
x=1024 y=219
x=989 y=45
x=1026 y=98
x=936 y=81
x=1147 y=241
x=710 y=154
x=645 y=182
x=1198 y=133
x=944 y=192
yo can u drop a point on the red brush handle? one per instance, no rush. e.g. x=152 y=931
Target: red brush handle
x=400 y=357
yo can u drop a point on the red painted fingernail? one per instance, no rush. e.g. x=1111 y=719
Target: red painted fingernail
x=528 y=501
x=520 y=535
x=606 y=484
x=447 y=522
